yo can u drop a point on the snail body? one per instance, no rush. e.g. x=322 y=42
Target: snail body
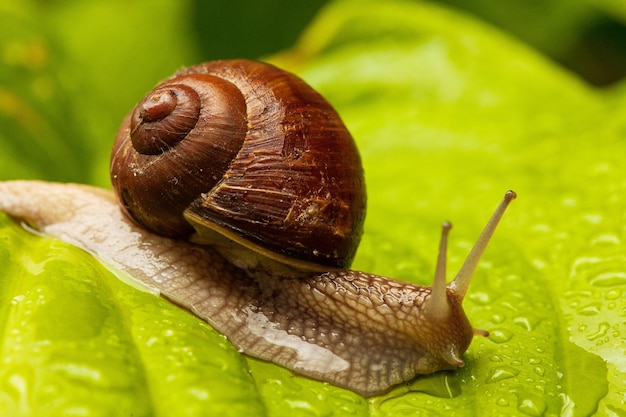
x=292 y=300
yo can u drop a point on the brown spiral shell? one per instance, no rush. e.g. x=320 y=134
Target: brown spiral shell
x=246 y=150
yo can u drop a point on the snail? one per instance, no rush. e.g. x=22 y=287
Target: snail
x=259 y=241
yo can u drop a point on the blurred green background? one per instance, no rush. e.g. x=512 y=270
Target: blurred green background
x=70 y=70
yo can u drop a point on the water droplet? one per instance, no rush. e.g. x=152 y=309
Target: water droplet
x=528 y=322
x=496 y=358
x=606 y=239
x=589 y=309
x=569 y=202
x=199 y=393
x=534 y=361
x=539 y=264
x=481 y=298
x=500 y=373
x=531 y=405
x=539 y=370
x=17 y=299
x=613 y=294
x=18 y=385
x=603 y=328
x=593 y=218
x=441 y=385
x=498 y=318
x=502 y=402
x=608 y=279
x=79 y=372
x=500 y=335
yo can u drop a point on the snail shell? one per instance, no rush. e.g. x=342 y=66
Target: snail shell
x=274 y=283
x=248 y=151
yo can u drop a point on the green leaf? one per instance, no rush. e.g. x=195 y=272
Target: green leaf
x=76 y=340
x=448 y=114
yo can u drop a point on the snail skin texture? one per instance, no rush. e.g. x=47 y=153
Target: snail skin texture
x=308 y=313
